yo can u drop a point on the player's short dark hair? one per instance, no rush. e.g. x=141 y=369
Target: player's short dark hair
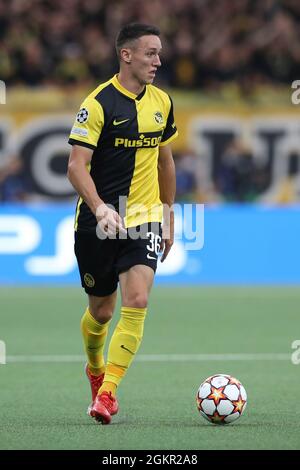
x=133 y=31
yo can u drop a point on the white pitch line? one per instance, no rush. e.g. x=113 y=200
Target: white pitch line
x=158 y=358
x=213 y=357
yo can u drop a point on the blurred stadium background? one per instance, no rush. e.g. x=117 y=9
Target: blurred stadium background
x=229 y=66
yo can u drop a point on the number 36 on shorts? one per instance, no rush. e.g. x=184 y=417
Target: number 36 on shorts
x=154 y=242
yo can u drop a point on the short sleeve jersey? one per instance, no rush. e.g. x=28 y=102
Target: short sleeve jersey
x=125 y=131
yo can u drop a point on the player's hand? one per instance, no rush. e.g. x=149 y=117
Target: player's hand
x=109 y=221
x=167 y=236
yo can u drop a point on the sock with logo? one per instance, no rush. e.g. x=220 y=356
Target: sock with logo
x=124 y=344
x=94 y=336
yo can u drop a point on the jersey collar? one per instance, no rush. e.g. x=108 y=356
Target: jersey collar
x=125 y=92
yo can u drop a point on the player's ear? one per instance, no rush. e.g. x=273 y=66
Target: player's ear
x=125 y=55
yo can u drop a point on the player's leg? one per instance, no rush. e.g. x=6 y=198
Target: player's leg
x=135 y=287
x=99 y=279
x=94 y=328
x=136 y=264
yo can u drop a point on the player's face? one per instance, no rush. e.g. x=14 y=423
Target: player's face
x=145 y=59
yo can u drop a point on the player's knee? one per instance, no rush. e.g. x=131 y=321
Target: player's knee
x=103 y=314
x=136 y=300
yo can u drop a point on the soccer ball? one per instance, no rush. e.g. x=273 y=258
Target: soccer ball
x=221 y=399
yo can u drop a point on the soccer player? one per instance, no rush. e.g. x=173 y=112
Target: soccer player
x=121 y=149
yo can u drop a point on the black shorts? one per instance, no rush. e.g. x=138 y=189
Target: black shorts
x=101 y=261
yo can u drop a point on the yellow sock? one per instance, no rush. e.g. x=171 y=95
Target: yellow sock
x=94 y=336
x=108 y=387
x=123 y=346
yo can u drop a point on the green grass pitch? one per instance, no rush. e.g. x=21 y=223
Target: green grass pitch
x=43 y=404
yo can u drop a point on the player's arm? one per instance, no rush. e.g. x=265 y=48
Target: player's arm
x=81 y=180
x=80 y=159
x=167 y=188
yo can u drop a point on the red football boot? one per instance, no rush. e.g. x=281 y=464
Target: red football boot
x=105 y=405
x=95 y=381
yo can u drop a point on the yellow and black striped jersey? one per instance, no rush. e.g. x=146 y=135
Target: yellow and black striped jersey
x=125 y=131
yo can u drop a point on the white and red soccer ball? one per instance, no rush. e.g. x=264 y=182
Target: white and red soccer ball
x=221 y=399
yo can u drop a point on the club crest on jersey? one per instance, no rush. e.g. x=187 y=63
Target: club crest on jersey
x=82 y=116
x=89 y=280
x=158 y=117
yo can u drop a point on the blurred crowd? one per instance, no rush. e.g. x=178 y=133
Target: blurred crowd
x=236 y=176
x=205 y=43
x=233 y=177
